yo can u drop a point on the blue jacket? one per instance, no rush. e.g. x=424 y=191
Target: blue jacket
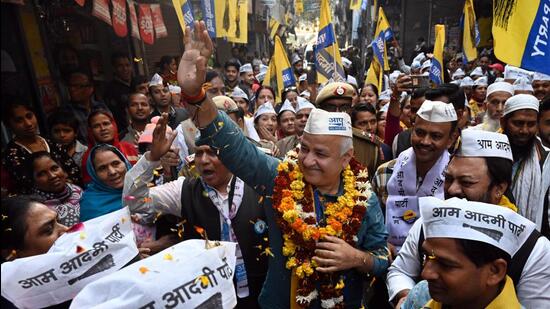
x=259 y=170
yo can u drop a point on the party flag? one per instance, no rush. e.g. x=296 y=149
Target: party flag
x=470 y=31
x=184 y=13
x=273 y=27
x=298 y=6
x=375 y=75
x=133 y=20
x=226 y=15
x=327 y=54
x=381 y=35
x=241 y=33
x=436 y=69
x=279 y=74
x=209 y=16
x=158 y=21
x=146 y=29
x=520 y=33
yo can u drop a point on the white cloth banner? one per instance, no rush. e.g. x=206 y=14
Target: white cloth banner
x=89 y=251
x=186 y=275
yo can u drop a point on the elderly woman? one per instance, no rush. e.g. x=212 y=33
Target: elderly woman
x=107 y=167
x=50 y=183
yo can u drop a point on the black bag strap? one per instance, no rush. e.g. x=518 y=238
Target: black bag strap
x=518 y=261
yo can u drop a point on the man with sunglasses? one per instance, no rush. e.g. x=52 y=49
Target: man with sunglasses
x=337 y=97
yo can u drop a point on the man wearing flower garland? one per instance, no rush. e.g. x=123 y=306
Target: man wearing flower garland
x=418 y=171
x=320 y=210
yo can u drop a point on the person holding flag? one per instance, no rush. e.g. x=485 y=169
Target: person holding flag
x=379 y=63
x=327 y=54
x=279 y=73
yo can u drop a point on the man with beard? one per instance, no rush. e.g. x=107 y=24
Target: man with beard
x=541 y=85
x=529 y=186
x=161 y=99
x=139 y=109
x=418 y=171
x=297 y=66
x=246 y=77
x=497 y=94
x=231 y=76
x=481 y=174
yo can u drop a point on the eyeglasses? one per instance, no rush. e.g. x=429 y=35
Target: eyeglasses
x=344 y=108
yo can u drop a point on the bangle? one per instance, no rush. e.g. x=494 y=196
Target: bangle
x=196 y=99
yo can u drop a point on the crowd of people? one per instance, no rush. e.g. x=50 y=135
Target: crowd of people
x=340 y=195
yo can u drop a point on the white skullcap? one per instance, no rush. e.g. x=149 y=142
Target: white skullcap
x=461 y=219
x=426 y=65
x=522 y=84
x=287 y=106
x=385 y=108
x=302 y=78
x=420 y=57
x=346 y=62
x=306 y=94
x=521 y=101
x=156 y=80
x=467 y=82
x=239 y=93
x=481 y=81
x=458 y=74
x=321 y=122
x=541 y=76
x=456 y=82
x=478 y=143
x=500 y=86
x=436 y=111
x=303 y=104
x=427 y=73
x=499 y=79
x=512 y=72
x=415 y=65
x=174 y=89
x=352 y=81
x=246 y=68
x=266 y=108
x=394 y=75
x=477 y=72
x=295 y=58
x=385 y=95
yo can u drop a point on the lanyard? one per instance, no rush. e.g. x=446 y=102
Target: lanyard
x=225 y=226
x=319 y=212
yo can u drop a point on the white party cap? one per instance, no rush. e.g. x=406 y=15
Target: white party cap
x=477 y=72
x=500 y=86
x=521 y=101
x=239 y=93
x=156 y=80
x=499 y=79
x=266 y=108
x=462 y=219
x=246 y=68
x=321 y=122
x=478 y=143
x=352 y=81
x=394 y=75
x=426 y=65
x=459 y=73
x=303 y=103
x=467 y=82
x=305 y=94
x=481 y=81
x=541 y=76
x=512 y=72
x=174 y=89
x=287 y=106
x=346 y=62
x=420 y=57
x=302 y=78
x=385 y=95
x=437 y=111
x=522 y=84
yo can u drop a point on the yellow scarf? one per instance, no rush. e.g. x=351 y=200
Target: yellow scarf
x=505 y=202
x=507 y=299
x=474 y=108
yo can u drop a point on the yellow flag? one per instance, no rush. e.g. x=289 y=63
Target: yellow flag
x=520 y=33
x=226 y=16
x=279 y=74
x=470 y=31
x=327 y=54
x=382 y=33
x=436 y=70
x=298 y=6
x=241 y=33
x=273 y=27
x=375 y=75
x=184 y=13
x=355 y=5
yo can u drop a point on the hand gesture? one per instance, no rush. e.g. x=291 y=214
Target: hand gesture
x=192 y=67
x=334 y=254
x=161 y=142
x=403 y=83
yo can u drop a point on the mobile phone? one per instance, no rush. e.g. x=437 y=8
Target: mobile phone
x=420 y=81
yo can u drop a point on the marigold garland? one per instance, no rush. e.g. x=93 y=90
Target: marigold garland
x=295 y=214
